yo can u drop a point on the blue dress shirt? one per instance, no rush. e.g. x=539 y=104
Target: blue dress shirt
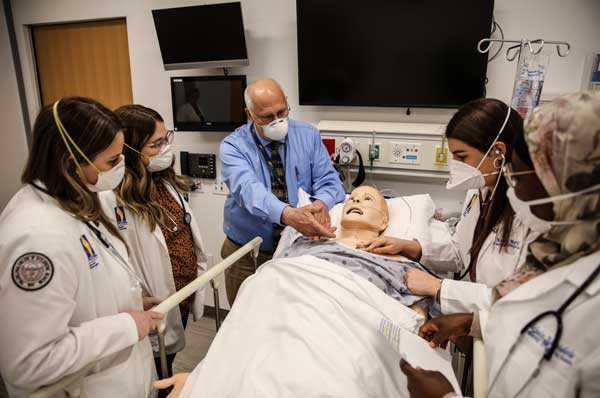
x=251 y=208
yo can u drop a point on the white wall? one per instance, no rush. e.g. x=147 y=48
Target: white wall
x=12 y=134
x=271 y=39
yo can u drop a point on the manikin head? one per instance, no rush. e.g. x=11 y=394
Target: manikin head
x=366 y=209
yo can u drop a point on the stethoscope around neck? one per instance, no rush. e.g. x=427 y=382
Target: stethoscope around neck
x=187 y=216
x=557 y=315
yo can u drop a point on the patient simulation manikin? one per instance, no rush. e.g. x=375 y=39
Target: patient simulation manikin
x=365 y=217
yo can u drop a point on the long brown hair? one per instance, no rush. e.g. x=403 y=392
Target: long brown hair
x=138 y=191
x=477 y=124
x=93 y=127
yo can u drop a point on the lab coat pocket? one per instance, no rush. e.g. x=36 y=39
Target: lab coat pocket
x=553 y=383
x=110 y=382
x=131 y=378
x=519 y=370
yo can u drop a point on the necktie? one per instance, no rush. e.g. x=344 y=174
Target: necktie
x=278 y=185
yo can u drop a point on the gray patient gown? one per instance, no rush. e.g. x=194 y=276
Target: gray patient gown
x=384 y=272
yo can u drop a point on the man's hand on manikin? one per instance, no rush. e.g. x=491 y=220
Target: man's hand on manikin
x=309 y=220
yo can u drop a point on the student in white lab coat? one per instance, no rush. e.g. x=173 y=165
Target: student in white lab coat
x=156 y=222
x=557 y=354
x=489 y=241
x=68 y=295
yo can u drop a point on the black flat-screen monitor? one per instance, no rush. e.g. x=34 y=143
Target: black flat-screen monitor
x=208 y=103
x=201 y=36
x=392 y=52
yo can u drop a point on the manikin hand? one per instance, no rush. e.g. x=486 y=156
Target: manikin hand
x=425 y=383
x=304 y=221
x=439 y=330
x=145 y=321
x=177 y=382
x=421 y=283
x=389 y=245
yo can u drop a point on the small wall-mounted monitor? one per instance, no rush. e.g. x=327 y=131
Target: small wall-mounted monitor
x=205 y=36
x=208 y=103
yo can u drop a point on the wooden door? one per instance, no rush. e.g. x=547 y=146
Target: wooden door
x=85 y=58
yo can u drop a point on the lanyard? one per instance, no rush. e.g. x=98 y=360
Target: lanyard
x=270 y=165
x=102 y=238
x=106 y=244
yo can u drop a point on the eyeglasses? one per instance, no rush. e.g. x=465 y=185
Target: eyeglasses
x=266 y=119
x=163 y=142
x=509 y=174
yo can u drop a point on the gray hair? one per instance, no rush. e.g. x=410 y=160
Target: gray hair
x=248 y=97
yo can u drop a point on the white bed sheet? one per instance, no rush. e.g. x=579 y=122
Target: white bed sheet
x=304 y=327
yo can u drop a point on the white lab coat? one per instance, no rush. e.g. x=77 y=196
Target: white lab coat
x=575 y=365
x=78 y=314
x=149 y=256
x=446 y=252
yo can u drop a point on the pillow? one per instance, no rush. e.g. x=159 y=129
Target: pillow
x=410 y=217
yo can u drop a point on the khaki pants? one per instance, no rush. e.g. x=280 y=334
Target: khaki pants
x=240 y=270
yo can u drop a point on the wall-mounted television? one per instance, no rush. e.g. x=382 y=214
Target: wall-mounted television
x=392 y=52
x=205 y=36
x=208 y=103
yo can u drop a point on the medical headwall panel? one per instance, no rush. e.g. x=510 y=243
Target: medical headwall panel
x=409 y=149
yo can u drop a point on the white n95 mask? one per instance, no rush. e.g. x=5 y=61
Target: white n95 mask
x=110 y=179
x=523 y=211
x=464 y=176
x=277 y=129
x=162 y=161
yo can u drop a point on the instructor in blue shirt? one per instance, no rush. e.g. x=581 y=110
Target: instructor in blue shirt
x=263 y=164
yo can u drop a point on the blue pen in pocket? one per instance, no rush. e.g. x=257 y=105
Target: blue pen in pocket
x=297 y=174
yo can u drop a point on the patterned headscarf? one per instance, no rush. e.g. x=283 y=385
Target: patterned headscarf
x=564 y=142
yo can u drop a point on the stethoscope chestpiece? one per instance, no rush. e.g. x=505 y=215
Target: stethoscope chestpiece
x=187 y=218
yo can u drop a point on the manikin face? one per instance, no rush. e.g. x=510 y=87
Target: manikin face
x=365 y=209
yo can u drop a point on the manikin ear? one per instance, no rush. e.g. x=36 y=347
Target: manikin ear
x=384 y=224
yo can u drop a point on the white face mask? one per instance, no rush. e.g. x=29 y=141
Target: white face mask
x=110 y=179
x=464 y=176
x=523 y=209
x=162 y=161
x=277 y=129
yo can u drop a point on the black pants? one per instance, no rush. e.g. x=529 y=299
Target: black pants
x=170 y=357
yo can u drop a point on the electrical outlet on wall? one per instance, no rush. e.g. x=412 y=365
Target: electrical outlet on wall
x=441 y=158
x=219 y=187
x=374 y=151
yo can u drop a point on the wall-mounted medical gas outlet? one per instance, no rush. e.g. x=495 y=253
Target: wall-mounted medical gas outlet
x=405 y=152
x=347 y=151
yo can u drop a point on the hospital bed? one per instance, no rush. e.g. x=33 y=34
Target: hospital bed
x=412 y=208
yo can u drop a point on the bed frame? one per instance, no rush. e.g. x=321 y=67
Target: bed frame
x=70 y=382
x=479 y=369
